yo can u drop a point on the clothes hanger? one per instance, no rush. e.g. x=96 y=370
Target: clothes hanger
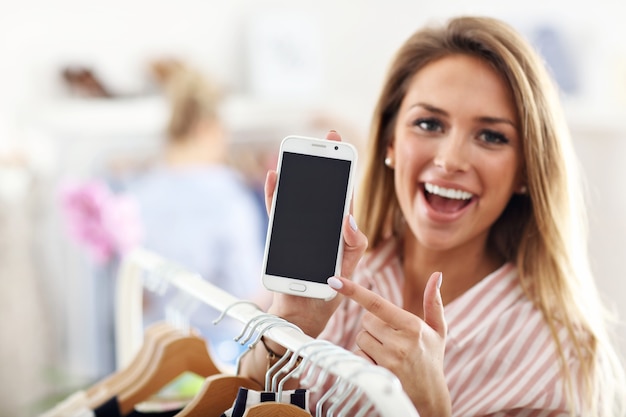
x=323 y=346
x=338 y=391
x=275 y=408
x=356 y=394
x=220 y=391
x=177 y=354
x=151 y=357
x=346 y=396
x=293 y=369
x=278 y=409
x=155 y=337
x=116 y=382
x=250 y=329
x=345 y=400
x=271 y=409
x=217 y=395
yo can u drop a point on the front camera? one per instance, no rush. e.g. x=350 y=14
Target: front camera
x=336 y=147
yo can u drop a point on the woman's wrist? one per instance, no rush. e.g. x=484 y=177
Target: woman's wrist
x=273 y=350
x=310 y=323
x=437 y=403
x=258 y=360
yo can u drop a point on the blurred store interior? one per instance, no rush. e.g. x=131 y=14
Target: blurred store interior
x=77 y=100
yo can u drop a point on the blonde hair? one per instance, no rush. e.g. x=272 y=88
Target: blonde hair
x=192 y=97
x=542 y=232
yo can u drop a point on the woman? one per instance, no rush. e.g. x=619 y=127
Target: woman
x=470 y=172
x=196 y=209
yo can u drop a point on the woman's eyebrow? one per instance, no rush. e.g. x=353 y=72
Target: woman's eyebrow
x=430 y=108
x=497 y=120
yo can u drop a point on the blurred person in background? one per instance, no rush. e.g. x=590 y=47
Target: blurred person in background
x=188 y=205
x=195 y=208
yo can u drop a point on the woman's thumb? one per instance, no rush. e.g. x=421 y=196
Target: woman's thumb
x=433 y=304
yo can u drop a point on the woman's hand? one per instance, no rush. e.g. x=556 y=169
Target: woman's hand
x=311 y=315
x=408 y=346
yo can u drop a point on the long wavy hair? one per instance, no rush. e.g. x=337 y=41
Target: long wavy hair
x=542 y=232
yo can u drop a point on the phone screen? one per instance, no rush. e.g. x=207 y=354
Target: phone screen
x=308 y=214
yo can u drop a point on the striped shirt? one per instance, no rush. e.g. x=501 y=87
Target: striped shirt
x=500 y=357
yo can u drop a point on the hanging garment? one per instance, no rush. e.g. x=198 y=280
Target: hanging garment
x=246 y=398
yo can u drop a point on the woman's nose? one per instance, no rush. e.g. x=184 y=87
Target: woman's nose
x=452 y=153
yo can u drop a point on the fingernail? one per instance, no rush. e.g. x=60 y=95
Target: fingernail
x=334 y=283
x=440 y=280
x=333 y=131
x=353 y=223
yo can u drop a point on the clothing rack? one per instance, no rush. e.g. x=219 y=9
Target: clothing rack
x=143 y=268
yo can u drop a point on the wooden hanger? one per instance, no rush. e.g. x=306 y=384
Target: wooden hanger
x=274 y=409
x=271 y=408
x=217 y=395
x=176 y=355
x=219 y=392
x=119 y=380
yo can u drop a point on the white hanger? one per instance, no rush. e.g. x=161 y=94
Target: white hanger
x=386 y=394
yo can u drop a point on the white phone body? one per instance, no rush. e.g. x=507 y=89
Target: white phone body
x=304 y=244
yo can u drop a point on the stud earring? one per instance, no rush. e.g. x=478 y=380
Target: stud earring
x=523 y=189
x=389 y=162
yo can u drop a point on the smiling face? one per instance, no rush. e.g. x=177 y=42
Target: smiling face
x=456 y=152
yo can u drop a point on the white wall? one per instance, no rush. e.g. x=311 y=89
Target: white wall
x=357 y=39
x=354 y=40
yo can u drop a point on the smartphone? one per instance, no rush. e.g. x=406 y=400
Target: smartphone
x=304 y=242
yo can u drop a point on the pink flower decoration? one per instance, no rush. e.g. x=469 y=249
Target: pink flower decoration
x=107 y=224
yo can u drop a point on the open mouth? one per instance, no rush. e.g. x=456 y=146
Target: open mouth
x=446 y=200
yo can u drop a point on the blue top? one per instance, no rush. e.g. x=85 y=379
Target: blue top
x=208 y=220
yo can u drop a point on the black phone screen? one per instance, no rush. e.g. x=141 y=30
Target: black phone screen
x=308 y=214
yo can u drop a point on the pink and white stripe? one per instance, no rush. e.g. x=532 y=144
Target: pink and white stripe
x=500 y=357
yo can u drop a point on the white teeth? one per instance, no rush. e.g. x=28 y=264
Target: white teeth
x=448 y=192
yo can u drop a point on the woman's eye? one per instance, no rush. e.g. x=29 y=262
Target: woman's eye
x=489 y=136
x=429 y=125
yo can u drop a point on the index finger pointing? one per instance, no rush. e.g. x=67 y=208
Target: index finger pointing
x=372 y=302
